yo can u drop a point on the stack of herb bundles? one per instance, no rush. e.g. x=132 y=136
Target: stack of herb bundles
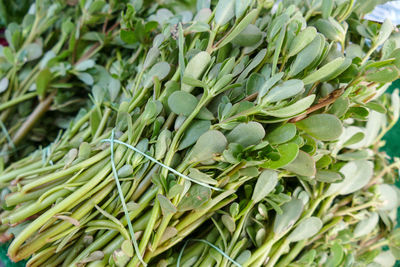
x=237 y=134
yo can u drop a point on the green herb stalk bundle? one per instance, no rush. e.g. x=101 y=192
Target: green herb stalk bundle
x=264 y=123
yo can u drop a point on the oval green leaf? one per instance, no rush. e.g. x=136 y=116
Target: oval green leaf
x=325 y=127
x=294 y=109
x=266 y=182
x=194 y=198
x=303 y=165
x=304 y=38
x=306 y=229
x=182 y=103
x=282 y=134
x=210 y=143
x=291 y=212
x=325 y=71
x=195 y=130
x=356 y=175
x=247 y=134
x=283 y=91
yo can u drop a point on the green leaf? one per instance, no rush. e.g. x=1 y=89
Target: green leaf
x=128 y=36
x=340 y=107
x=328 y=176
x=324 y=162
x=254 y=83
x=250 y=36
x=159 y=70
x=247 y=134
x=175 y=190
x=375 y=105
x=346 y=64
x=4 y=84
x=195 y=68
x=288 y=152
x=293 y=109
x=8 y=54
x=167 y=208
x=276 y=26
x=307 y=259
x=199 y=26
x=96 y=6
x=210 y=143
x=85 y=77
x=125 y=171
x=227 y=67
x=269 y=83
x=361 y=154
x=114 y=87
x=253 y=64
x=331 y=29
x=151 y=57
x=325 y=71
x=182 y=103
x=304 y=38
x=192 y=134
x=95 y=118
x=34 y=51
x=303 y=165
x=201 y=177
x=84 y=150
x=306 y=229
x=291 y=213
x=367 y=225
x=43 y=81
x=266 y=182
x=84 y=65
x=325 y=127
x=282 y=134
x=327 y=6
x=383 y=76
x=241 y=7
x=228 y=222
x=385 y=258
x=384 y=32
x=127 y=248
x=221 y=84
x=242 y=30
x=151 y=110
x=354 y=139
x=306 y=56
x=283 y=91
x=388 y=197
x=188 y=80
x=224 y=11
x=162 y=144
x=194 y=198
x=356 y=175
x=336 y=256
x=260 y=237
x=278 y=47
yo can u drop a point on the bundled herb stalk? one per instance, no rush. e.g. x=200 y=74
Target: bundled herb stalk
x=49 y=59
x=265 y=124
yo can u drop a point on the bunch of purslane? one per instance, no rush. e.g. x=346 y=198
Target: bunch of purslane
x=252 y=132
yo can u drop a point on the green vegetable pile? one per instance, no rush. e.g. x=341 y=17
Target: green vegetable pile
x=209 y=133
